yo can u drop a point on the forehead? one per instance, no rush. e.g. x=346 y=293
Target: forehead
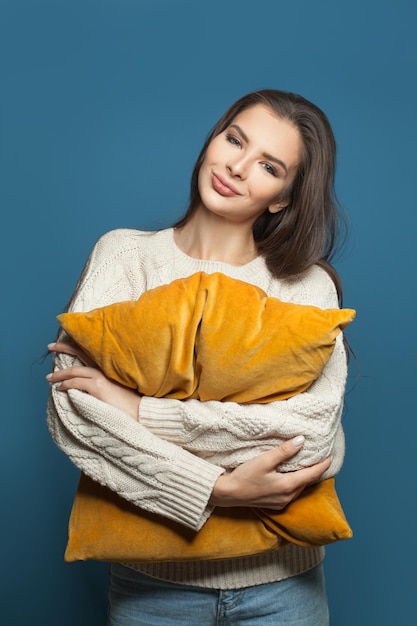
x=270 y=133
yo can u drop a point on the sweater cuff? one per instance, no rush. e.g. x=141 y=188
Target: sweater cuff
x=163 y=417
x=187 y=501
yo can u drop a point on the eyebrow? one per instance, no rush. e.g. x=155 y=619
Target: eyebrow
x=265 y=154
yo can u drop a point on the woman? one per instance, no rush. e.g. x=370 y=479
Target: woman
x=262 y=210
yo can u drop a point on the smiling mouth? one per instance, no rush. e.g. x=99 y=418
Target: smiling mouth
x=223 y=187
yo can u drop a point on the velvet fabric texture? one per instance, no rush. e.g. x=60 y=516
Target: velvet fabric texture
x=209 y=337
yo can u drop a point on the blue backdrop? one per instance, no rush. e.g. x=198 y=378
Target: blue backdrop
x=104 y=106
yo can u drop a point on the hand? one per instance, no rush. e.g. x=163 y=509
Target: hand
x=259 y=483
x=90 y=379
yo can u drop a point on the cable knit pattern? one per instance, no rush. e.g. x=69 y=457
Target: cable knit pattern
x=169 y=462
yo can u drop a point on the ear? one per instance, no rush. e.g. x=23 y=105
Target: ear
x=278 y=206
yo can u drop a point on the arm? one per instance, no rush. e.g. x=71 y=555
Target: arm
x=103 y=441
x=106 y=444
x=256 y=483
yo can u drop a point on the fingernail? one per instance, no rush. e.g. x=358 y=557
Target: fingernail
x=50 y=345
x=298 y=441
x=48 y=376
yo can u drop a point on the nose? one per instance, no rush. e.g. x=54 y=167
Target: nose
x=238 y=167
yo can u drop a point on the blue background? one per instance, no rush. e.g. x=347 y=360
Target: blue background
x=104 y=106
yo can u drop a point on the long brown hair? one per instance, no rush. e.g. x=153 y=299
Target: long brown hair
x=309 y=230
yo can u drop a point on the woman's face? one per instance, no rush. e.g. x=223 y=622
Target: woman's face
x=248 y=167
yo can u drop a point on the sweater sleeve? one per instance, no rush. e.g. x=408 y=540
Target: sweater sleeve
x=106 y=443
x=228 y=433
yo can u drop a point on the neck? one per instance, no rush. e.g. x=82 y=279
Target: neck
x=211 y=238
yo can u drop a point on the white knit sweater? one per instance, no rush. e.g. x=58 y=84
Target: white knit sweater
x=169 y=461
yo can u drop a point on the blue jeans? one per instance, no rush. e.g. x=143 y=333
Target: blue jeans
x=138 y=600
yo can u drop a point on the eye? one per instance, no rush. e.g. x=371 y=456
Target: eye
x=233 y=140
x=270 y=169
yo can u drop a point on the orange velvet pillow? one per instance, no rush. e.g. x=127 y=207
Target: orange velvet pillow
x=206 y=337
x=209 y=337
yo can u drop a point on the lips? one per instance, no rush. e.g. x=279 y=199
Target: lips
x=223 y=187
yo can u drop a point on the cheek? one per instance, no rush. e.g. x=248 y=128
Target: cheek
x=212 y=154
x=267 y=190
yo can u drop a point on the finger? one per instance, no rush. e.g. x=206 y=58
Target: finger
x=82 y=384
x=79 y=371
x=271 y=459
x=301 y=478
x=72 y=349
x=62 y=346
